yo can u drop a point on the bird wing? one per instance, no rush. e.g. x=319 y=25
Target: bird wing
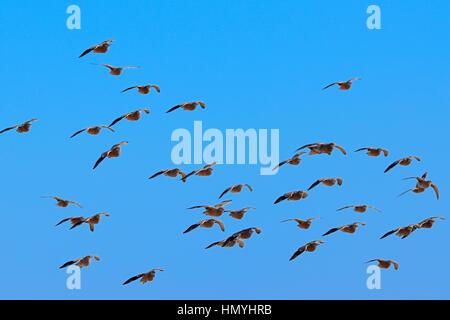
x=392 y=165
x=213 y=244
x=223 y=203
x=128 y=89
x=7 y=129
x=173 y=108
x=68 y=263
x=157 y=88
x=343 y=208
x=224 y=192
x=78 y=132
x=331 y=231
x=316 y=183
x=298 y=252
x=328 y=86
x=279 y=165
x=157 y=174
x=374 y=260
x=307 y=146
x=86 y=52
x=194 y=226
x=117 y=120
x=62 y=221
x=405 y=192
x=385 y=152
x=341 y=149
x=99 y=160
x=362 y=149
x=76 y=203
x=78 y=223
x=396 y=265
x=220 y=224
x=436 y=190
x=282 y=198
x=249 y=187
x=389 y=233
x=133 y=279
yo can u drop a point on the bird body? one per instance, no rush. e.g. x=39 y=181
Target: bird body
x=205 y=171
x=322 y=148
x=144 y=277
x=292 y=196
x=81 y=262
x=343 y=85
x=236 y=189
x=213 y=210
x=239 y=214
x=98 y=48
x=20 y=128
x=302 y=224
x=63 y=203
x=131 y=116
x=329 y=182
x=116 y=71
x=144 y=89
x=385 y=264
x=402 y=162
x=359 y=208
x=95 y=130
x=188 y=106
x=172 y=173
x=348 y=228
x=309 y=247
x=209 y=223
x=114 y=152
x=374 y=152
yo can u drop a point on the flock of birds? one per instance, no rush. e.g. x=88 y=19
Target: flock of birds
x=213 y=212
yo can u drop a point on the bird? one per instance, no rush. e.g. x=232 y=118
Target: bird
x=361 y=208
x=403 y=162
x=294 y=161
x=429 y=222
x=292 y=196
x=227 y=243
x=188 y=106
x=329 y=182
x=239 y=214
x=209 y=223
x=205 y=171
x=385 y=264
x=114 y=152
x=20 y=128
x=348 y=228
x=422 y=185
x=73 y=221
x=116 y=71
x=402 y=232
x=321 y=148
x=145 y=277
x=81 y=262
x=236 y=189
x=98 y=48
x=309 y=247
x=236 y=238
x=343 y=85
x=63 y=203
x=91 y=221
x=95 y=130
x=172 y=173
x=374 y=152
x=213 y=210
x=302 y=224
x=145 y=89
x=131 y=116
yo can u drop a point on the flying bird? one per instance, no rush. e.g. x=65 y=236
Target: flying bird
x=98 y=48
x=73 y=221
x=294 y=161
x=429 y=222
x=302 y=224
x=188 y=106
x=292 y=196
x=403 y=162
x=374 y=152
x=343 y=85
x=91 y=221
x=116 y=71
x=145 y=277
x=209 y=223
x=402 y=232
x=422 y=185
x=213 y=210
x=239 y=214
x=63 y=203
x=81 y=262
x=322 y=148
x=144 y=89
x=172 y=173
x=309 y=247
x=329 y=182
x=348 y=228
x=361 y=208
x=131 y=116
x=20 y=128
x=206 y=171
x=236 y=238
x=236 y=189
x=114 y=152
x=385 y=264
x=95 y=130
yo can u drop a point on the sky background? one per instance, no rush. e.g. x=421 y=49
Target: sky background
x=257 y=64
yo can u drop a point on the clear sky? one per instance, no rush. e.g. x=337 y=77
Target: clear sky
x=257 y=64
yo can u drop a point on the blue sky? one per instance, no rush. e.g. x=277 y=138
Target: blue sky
x=257 y=64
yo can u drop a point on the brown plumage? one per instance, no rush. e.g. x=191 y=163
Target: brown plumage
x=73 y=221
x=322 y=148
x=213 y=210
x=114 y=152
x=236 y=189
x=429 y=222
x=385 y=264
x=95 y=130
x=20 y=128
x=98 y=48
x=294 y=161
x=329 y=182
x=91 y=221
x=361 y=208
x=309 y=247
x=348 y=228
x=239 y=214
x=302 y=224
x=81 y=262
x=145 y=277
x=131 y=116
x=209 y=223
x=343 y=85
x=403 y=162
x=374 y=152
x=422 y=185
x=171 y=173
x=236 y=238
x=205 y=171
x=116 y=71
x=292 y=196
x=63 y=203
x=188 y=106
x=146 y=89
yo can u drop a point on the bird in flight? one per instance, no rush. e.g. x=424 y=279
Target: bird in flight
x=20 y=128
x=144 y=89
x=429 y=222
x=403 y=162
x=236 y=189
x=188 y=106
x=294 y=161
x=116 y=71
x=385 y=264
x=348 y=228
x=172 y=173
x=374 y=152
x=91 y=221
x=114 y=152
x=239 y=214
x=131 y=116
x=361 y=208
x=145 y=277
x=321 y=148
x=329 y=182
x=343 y=85
x=63 y=203
x=213 y=210
x=403 y=232
x=95 y=130
x=236 y=238
x=309 y=247
x=422 y=185
x=302 y=224
x=206 y=171
x=208 y=223
x=73 y=221
x=81 y=262
x=292 y=196
x=98 y=48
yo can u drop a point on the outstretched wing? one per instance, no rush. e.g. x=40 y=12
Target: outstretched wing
x=128 y=89
x=213 y=244
x=328 y=86
x=78 y=132
x=117 y=120
x=343 y=208
x=330 y=231
x=220 y=224
x=194 y=226
x=341 y=149
x=362 y=149
x=173 y=108
x=298 y=252
x=392 y=165
x=86 y=52
x=68 y=263
x=389 y=233
x=102 y=157
x=224 y=192
x=157 y=174
x=133 y=279
x=7 y=129
x=62 y=221
x=436 y=190
x=315 y=184
x=282 y=198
